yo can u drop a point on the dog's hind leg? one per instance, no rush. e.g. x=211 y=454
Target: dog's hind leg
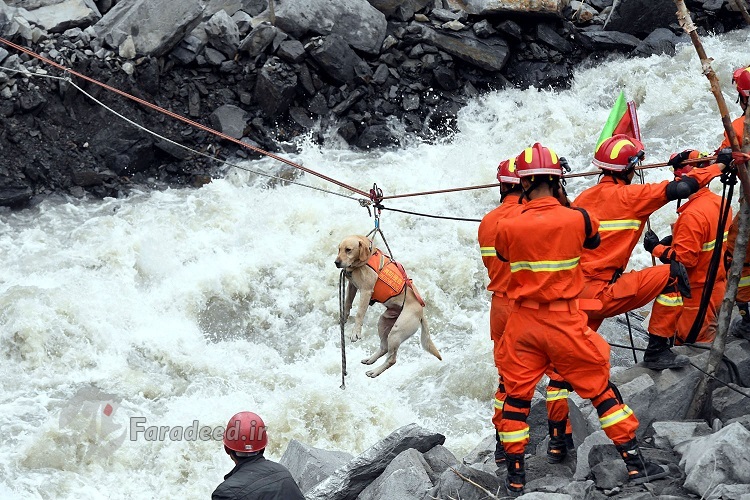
x=406 y=325
x=385 y=324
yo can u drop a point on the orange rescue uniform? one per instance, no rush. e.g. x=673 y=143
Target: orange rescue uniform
x=499 y=273
x=622 y=210
x=543 y=246
x=693 y=242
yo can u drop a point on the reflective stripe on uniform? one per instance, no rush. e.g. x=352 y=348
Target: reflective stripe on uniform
x=669 y=300
x=515 y=436
x=499 y=404
x=707 y=247
x=619 y=225
x=554 y=394
x=744 y=281
x=544 y=265
x=488 y=251
x=616 y=417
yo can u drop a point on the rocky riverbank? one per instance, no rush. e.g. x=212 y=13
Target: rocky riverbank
x=362 y=70
x=705 y=461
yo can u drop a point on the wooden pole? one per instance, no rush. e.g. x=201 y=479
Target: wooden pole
x=702 y=391
x=683 y=16
x=740 y=5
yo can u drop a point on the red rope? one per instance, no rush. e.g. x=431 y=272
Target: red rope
x=182 y=118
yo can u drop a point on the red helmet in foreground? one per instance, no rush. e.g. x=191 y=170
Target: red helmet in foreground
x=245 y=433
x=507 y=172
x=616 y=153
x=741 y=79
x=538 y=160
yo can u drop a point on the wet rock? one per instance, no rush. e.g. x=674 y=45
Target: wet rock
x=612 y=40
x=349 y=480
x=275 y=88
x=335 y=57
x=406 y=477
x=640 y=17
x=357 y=22
x=223 y=34
x=309 y=465
x=56 y=19
x=717 y=459
x=450 y=485
x=291 y=51
x=490 y=54
x=486 y=7
x=230 y=120
x=156 y=27
x=659 y=41
x=259 y=39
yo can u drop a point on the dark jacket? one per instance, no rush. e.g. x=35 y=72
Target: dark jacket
x=256 y=478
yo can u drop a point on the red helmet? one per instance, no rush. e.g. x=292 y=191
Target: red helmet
x=245 y=433
x=538 y=160
x=617 y=152
x=741 y=79
x=507 y=173
x=682 y=170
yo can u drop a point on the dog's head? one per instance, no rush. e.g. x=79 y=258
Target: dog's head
x=353 y=252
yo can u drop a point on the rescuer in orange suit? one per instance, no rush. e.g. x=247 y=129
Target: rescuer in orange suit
x=741 y=326
x=623 y=209
x=561 y=437
x=543 y=247
x=692 y=243
x=499 y=273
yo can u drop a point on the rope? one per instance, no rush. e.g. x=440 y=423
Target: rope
x=630 y=332
x=342 y=322
x=431 y=216
x=180 y=118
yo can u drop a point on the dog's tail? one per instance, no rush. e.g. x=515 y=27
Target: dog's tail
x=426 y=340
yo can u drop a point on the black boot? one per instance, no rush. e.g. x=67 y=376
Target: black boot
x=557 y=448
x=639 y=469
x=499 y=450
x=516 y=478
x=658 y=356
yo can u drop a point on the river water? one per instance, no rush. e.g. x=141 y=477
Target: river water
x=176 y=309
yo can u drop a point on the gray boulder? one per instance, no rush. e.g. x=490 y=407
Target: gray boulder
x=440 y=459
x=276 y=87
x=259 y=39
x=335 y=57
x=360 y=24
x=488 y=54
x=659 y=41
x=720 y=458
x=640 y=17
x=407 y=477
x=229 y=120
x=62 y=15
x=309 y=466
x=223 y=34
x=349 y=481
x=611 y=40
x=156 y=27
x=451 y=485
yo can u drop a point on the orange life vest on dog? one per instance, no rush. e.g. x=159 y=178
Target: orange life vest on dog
x=392 y=278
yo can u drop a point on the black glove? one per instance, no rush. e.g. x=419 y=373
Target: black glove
x=650 y=240
x=666 y=241
x=676 y=160
x=724 y=156
x=677 y=270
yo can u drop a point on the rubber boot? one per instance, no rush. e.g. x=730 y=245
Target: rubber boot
x=516 y=478
x=639 y=469
x=569 y=442
x=741 y=327
x=557 y=448
x=658 y=356
x=499 y=450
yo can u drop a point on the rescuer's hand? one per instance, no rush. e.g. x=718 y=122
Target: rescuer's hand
x=650 y=240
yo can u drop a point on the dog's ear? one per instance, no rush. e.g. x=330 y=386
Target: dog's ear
x=364 y=249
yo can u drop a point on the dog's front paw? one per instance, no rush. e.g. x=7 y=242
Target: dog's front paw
x=355 y=335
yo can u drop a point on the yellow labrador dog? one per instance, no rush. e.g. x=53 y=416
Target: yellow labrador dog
x=378 y=279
